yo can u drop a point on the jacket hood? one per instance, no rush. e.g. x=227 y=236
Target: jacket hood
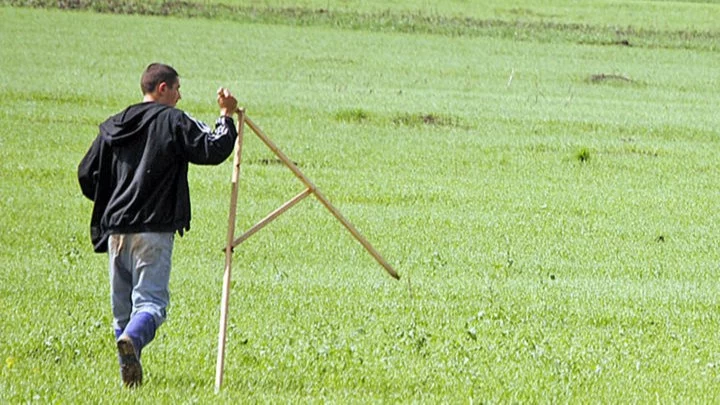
x=126 y=125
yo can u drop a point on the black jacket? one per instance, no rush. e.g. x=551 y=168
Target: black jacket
x=136 y=169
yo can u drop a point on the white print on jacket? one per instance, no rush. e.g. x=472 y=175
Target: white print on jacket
x=220 y=128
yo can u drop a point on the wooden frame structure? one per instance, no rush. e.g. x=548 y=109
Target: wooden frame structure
x=232 y=242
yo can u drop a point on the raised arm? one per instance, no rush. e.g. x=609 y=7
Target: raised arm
x=207 y=146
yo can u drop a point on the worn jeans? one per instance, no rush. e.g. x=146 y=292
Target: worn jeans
x=139 y=276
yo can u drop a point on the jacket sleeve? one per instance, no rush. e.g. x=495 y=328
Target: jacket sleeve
x=89 y=168
x=204 y=146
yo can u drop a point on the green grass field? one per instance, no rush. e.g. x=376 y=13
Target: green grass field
x=543 y=177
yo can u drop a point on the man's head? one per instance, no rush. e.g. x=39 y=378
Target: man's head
x=161 y=83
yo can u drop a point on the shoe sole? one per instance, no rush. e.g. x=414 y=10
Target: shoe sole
x=130 y=368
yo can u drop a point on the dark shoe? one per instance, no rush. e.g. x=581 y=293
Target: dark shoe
x=130 y=367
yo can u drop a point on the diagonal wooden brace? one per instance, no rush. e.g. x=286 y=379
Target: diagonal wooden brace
x=271 y=216
x=320 y=196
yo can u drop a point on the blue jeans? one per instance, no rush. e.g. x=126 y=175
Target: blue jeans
x=139 y=276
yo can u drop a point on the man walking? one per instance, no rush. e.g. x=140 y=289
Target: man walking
x=136 y=174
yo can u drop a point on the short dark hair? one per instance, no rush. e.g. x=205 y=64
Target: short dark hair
x=155 y=74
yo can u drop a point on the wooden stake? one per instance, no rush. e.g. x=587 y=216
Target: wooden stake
x=219 y=369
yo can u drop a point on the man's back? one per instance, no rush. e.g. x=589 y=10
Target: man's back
x=136 y=170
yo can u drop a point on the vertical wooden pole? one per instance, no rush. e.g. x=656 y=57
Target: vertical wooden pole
x=219 y=370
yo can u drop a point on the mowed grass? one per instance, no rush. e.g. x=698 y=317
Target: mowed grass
x=652 y=14
x=550 y=206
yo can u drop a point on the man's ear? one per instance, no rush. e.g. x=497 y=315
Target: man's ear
x=162 y=87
